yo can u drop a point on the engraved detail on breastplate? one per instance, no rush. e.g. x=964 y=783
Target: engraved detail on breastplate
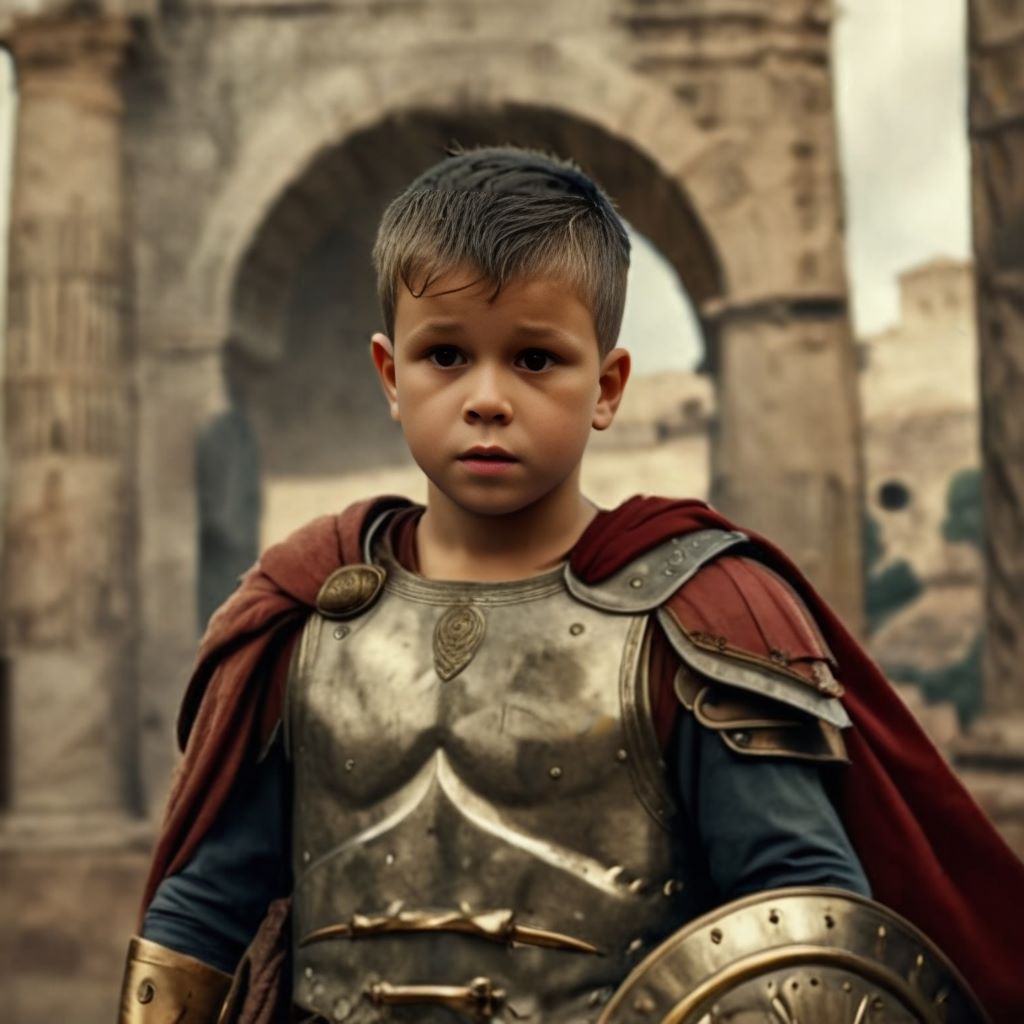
x=350 y=590
x=457 y=637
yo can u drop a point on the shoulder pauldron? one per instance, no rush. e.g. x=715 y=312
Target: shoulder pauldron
x=758 y=701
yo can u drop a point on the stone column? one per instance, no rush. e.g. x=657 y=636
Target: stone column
x=996 y=43
x=69 y=608
x=786 y=455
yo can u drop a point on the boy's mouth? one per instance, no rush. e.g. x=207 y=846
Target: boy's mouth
x=487 y=454
x=487 y=460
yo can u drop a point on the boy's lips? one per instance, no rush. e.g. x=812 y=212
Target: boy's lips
x=488 y=460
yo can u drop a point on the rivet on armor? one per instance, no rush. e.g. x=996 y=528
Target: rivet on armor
x=915 y=971
x=637 y=886
x=635 y=946
x=389 y=859
x=716 y=935
x=306 y=856
x=576 y=628
x=742 y=738
x=847 y=987
x=636 y=582
x=341 y=1009
x=350 y=590
x=621 y=754
x=309 y=973
x=146 y=991
x=341 y=632
x=668 y=571
x=555 y=772
x=878 y=1005
x=644 y=1004
x=672 y=886
x=349 y=764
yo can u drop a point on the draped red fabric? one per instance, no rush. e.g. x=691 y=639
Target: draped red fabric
x=928 y=850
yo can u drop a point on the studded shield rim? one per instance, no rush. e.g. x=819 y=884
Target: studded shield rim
x=740 y=952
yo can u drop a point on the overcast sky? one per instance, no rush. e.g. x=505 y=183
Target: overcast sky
x=900 y=91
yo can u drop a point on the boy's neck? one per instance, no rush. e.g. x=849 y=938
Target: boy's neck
x=456 y=544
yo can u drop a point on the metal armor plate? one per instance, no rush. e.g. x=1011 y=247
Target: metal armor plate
x=796 y=955
x=480 y=817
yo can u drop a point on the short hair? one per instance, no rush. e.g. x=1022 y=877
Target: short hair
x=510 y=213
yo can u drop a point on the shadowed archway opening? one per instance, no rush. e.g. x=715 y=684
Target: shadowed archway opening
x=305 y=300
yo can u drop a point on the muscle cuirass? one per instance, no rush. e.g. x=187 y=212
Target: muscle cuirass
x=481 y=824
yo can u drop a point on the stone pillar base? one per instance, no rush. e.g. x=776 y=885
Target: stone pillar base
x=92 y=831
x=63 y=936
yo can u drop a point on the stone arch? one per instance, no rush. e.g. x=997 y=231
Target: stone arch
x=283 y=152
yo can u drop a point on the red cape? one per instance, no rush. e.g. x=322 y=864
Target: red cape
x=929 y=852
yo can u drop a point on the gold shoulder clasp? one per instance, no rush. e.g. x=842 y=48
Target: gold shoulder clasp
x=350 y=590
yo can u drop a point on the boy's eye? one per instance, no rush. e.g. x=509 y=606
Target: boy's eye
x=535 y=360
x=445 y=356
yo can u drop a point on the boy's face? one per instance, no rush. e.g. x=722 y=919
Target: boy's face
x=497 y=398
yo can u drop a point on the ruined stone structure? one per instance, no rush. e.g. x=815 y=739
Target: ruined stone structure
x=997 y=151
x=996 y=111
x=189 y=171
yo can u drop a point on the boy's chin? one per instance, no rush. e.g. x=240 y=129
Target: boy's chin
x=493 y=505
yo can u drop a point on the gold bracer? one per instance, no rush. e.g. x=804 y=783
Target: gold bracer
x=165 y=987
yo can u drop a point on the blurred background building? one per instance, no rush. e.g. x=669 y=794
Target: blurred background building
x=195 y=185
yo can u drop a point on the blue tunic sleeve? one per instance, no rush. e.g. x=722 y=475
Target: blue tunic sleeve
x=762 y=822
x=212 y=908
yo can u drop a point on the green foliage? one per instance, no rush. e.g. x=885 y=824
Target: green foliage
x=958 y=683
x=965 y=513
x=896 y=586
x=885 y=592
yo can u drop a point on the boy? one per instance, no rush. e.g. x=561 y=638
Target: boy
x=498 y=748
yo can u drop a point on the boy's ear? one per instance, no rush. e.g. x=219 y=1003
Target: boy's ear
x=382 y=352
x=615 y=368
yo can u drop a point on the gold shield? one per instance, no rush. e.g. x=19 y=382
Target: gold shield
x=796 y=956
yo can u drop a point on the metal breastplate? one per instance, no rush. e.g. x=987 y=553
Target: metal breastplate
x=478 y=801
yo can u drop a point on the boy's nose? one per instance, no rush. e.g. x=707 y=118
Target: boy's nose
x=487 y=401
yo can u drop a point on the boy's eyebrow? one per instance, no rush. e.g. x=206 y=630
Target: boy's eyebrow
x=439 y=325
x=541 y=331
x=523 y=331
